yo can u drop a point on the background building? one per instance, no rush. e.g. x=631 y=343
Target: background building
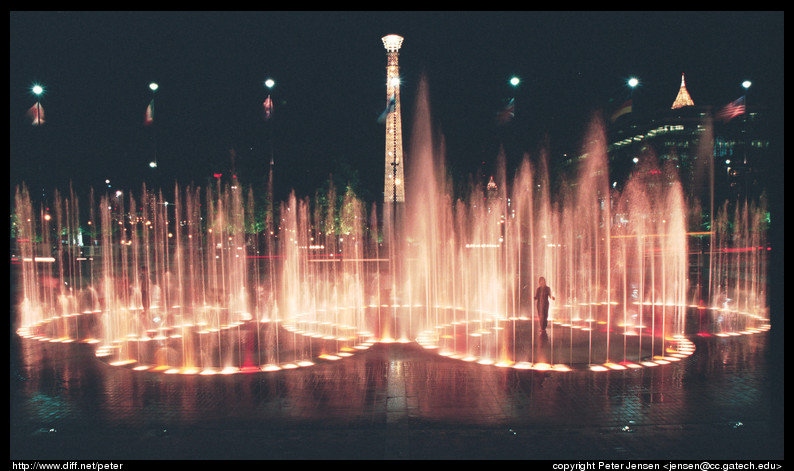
x=720 y=153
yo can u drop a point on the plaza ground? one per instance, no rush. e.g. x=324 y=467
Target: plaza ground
x=400 y=401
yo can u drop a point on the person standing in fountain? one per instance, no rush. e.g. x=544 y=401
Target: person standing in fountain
x=145 y=300
x=542 y=295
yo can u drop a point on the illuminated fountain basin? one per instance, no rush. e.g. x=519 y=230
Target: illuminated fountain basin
x=583 y=343
x=166 y=286
x=244 y=347
x=246 y=293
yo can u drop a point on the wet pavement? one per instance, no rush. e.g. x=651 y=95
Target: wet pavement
x=399 y=401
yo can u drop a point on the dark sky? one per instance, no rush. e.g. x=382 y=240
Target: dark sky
x=329 y=69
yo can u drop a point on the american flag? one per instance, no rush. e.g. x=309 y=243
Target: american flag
x=36 y=114
x=391 y=105
x=731 y=110
x=149 y=117
x=507 y=114
x=268 y=106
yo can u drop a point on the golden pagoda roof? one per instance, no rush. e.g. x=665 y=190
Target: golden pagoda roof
x=683 y=99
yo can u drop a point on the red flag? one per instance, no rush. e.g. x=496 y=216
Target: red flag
x=268 y=105
x=149 y=118
x=36 y=114
x=731 y=110
x=507 y=113
x=625 y=108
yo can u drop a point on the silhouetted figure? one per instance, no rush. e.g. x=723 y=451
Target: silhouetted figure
x=542 y=295
x=144 y=290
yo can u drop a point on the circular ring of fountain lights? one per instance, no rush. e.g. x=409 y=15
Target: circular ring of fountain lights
x=239 y=347
x=266 y=346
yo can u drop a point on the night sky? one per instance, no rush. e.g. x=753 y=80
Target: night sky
x=330 y=70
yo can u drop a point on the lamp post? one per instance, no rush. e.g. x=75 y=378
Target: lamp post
x=37 y=90
x=153 y=86
x=269 y=83
x=746 y=85
x=632 y=82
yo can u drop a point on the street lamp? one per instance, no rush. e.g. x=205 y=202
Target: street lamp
x=153 y=86
x=38 y=118
x=746 y=85
x=514 y=81
x=269 y=83
x=632 y=82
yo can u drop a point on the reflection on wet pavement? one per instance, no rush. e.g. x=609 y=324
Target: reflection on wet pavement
x=394 y=401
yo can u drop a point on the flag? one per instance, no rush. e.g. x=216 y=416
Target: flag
x=390 y=106
x=731 y=110
x=36 y=114
x=623 y=109
x=149 y=118
x=507 y=113
x=268 y=106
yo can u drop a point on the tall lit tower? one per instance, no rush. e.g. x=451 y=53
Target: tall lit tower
x=394 y=183
x=683 y=99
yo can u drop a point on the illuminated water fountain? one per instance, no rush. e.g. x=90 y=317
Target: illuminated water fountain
x=186 y=285
x=199 y=283
x=616 y=263
x=737 y=274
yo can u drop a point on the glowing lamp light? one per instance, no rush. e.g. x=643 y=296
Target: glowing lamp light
x=746 y=84
x=153 y=86
x=37 y=89
x=392 y=42
x=514 y=81
x=633 y=82
x=269 y=83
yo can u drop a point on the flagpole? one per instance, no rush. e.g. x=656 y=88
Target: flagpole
x=37 y=89
x=746 y=85
x=150 y=120
x=269 y=83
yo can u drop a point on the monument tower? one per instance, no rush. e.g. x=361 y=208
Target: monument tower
x=683 y=99
x=394 y=183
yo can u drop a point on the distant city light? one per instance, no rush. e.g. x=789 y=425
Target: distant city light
x=153 y=164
